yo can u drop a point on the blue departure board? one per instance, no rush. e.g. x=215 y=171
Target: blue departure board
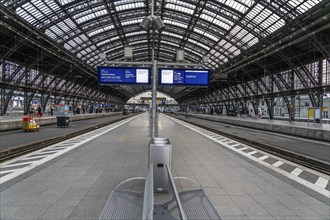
x=184 y=77
x=123 y=75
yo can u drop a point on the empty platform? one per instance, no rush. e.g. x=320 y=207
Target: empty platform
x=73 y=179
x=302 y=129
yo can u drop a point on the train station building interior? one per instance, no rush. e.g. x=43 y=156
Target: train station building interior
x=164 y=109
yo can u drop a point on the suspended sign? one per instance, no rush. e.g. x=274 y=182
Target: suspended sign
x=123 y=75
x=184 y=77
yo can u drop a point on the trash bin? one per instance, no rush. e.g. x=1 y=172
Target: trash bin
x=160 y=154
x=63 y=121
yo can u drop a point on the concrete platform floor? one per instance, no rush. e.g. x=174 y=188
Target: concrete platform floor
x=76 y=183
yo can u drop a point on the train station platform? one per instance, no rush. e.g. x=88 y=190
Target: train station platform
x=301 y=129
x=73 y=179
x=14 y=123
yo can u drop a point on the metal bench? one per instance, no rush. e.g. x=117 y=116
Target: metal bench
x=135 y=204
x=129 y=202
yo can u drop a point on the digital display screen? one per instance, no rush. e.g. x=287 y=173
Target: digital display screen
x=184 y=77
x=123 y=75
x=197 y=77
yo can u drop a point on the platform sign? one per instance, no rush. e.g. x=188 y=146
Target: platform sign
x=184 y=77
x=123 y=75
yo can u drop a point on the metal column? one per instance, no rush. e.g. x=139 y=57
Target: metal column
x=154 y=97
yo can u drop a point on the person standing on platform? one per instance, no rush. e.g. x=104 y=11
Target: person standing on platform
x=39 y=113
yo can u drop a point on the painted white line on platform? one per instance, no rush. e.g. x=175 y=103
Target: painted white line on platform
x=17 y=164
x=321 y=182
x=31 y=158
x=295 y=177
x=48 y=152
x=242 y=148
x=252 y=152
x=263 y=157
x=6 y=171
x=297 y=171
x=35 y=164
x=278 y=163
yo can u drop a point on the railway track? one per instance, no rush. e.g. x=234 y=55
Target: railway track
x=303 y=160
x=28 y=148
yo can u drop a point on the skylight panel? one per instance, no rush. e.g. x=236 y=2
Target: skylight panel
x=207 y=17
x=173 y=35
x=174 y=23
x=182 y=3
x=204 y=33
x=68 y=46
x=223 y=58
x=192 y=41
x=180 y=8
x=295 y=3
x=215 y=21
x=307 y=5
x=172 y=39
x=26 y=16
x=213 y=51
x=51 y=34
x=122 y=2
x=90 y=14
x=244 y=36
x=64 y=2
x=267 y=20
x=114 y=38
x=249 y=39
x=237 y=6
x=255 y=11
x=170 y=43
x=100 y=30
x=129 y=6
x=193 y=51
x=39 y=13
x=224 y=20
x=203 y=45
x=62 y=29
x=198 y=43
x=134 y=33
x=130 y=22
x=103 y=42
x=138 y=42
x=85 y=18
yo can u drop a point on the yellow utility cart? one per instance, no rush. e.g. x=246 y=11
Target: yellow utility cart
x=31 y=123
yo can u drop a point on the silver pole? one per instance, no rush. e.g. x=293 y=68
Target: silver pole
x=154 y=80
x=154 y=104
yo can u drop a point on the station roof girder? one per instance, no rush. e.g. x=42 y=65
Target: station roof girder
x=229 y=32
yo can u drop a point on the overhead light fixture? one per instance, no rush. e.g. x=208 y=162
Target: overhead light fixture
x=205 y=59
x=159 y=24
x=180 y=55
x=146 y=22
x=128 y=52
x=102 y=56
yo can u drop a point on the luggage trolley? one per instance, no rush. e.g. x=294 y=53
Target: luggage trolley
x=31 y=123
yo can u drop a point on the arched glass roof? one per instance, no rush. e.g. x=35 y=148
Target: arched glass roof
x=219 y=29
x=222 y=30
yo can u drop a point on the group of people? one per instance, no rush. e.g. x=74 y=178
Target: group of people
x=38 y=111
